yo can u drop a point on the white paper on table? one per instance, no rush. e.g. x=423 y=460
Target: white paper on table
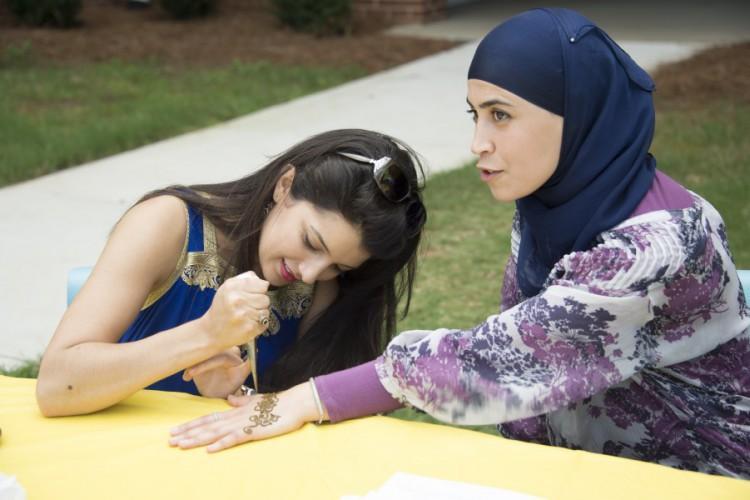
x=10 y=488
x=403 y=486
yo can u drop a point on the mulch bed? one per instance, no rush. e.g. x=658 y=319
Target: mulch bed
x=241 y=30
x=246 y=31
x=719 y=73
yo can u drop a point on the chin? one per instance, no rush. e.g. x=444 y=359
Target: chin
x=503 y=195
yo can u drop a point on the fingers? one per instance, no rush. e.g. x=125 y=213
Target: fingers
x=231 y=439
x=262 y=318
x=248 y=293
x=250 y=282
x=238 y=401
x=239 y=297
x=258 y=301
x=204 y=437
x=223 y=360
x=240 y=310
x=219 y=430
x=194 y=424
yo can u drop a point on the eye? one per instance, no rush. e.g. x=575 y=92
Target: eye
x=473 y=114
x=306 y=242
x=499 y=116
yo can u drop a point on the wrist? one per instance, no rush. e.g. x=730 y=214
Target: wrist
x=305 y=400
x=318 y=402
x=206 y=337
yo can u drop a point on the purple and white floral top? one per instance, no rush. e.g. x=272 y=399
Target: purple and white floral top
x=638 y=347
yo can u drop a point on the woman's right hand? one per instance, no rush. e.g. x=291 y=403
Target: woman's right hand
x=237 y=313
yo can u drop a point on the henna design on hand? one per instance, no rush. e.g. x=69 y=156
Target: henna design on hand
x=265 y=417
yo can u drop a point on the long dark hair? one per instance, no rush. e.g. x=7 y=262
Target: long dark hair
x=357 y=325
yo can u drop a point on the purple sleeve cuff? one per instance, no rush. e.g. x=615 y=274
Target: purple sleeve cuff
x=353 y=393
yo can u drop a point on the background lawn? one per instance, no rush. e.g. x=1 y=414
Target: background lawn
x=124 y=77
x=54 y=117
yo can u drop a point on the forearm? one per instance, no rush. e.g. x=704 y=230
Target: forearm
x=353 y=393
x=552 y=350
x=94 y=375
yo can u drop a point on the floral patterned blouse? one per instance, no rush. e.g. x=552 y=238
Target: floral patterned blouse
x=638 y=347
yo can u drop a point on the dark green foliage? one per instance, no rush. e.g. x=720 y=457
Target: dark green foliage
x=27 y=369
x=322 y=17
x=58 y=13
x=187 y=9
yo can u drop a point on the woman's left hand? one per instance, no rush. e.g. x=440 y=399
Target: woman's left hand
x=260 y=416
x=219 y=376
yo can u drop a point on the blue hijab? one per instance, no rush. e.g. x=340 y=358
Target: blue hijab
x=562 y=62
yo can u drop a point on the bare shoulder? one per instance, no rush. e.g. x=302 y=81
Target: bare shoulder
x=165 y=211
x=140 y=254
x=161 y=220
x=150 y=237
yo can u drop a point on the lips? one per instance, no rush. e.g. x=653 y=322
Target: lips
x=286 y=273
x=486 y=174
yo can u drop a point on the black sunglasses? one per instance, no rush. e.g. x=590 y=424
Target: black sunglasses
x=388 y=175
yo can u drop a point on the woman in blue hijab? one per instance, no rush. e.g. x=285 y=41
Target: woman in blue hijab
x=623 y=327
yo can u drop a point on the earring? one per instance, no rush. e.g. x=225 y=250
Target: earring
x=267 y=208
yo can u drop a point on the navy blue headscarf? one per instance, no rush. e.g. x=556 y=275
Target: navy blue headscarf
x=562 y=62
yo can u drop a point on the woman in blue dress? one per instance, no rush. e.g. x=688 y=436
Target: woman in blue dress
x=304 y=261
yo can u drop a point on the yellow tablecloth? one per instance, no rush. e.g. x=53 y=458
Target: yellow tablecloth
x=123 y=453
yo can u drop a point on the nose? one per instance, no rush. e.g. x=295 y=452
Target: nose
x=481 y=142
x=311 y=269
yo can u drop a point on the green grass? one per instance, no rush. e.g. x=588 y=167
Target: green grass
x=467 y=242
x=55 y=117
x=708 y=151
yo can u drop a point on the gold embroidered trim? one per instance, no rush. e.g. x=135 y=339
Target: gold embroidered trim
x=205 y=269
x=291 y=301
x=162 y=289
x=209 y=237
x=202 y=270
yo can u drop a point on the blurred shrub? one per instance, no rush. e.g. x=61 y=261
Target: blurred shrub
x=60 y=13
x=186 y=9
x=322 y=17
x=17 y=55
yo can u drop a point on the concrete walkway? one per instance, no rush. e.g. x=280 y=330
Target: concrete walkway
x=61 y=221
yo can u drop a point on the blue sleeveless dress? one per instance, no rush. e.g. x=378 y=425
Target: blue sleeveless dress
x=188 y=293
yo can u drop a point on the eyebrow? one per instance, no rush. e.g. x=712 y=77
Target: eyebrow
x=343 y=267
x=491 y=102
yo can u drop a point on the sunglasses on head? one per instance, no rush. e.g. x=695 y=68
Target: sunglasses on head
x=388 y=175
